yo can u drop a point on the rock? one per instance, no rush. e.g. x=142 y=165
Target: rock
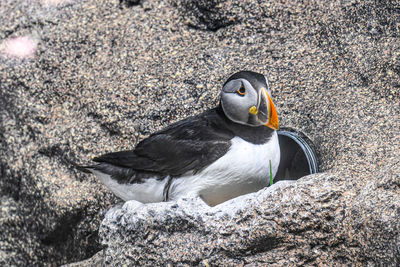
x=210 y=15
x=313 y=221
x=101 y=76
x=373 y=224
x=130 y=3
x=286 y=223
x=96 y=261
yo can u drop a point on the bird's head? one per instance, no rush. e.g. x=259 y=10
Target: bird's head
x=246 y=99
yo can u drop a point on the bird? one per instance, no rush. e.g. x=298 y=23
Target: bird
x=222 y=153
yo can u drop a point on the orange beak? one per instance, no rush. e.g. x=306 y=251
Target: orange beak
x=273 y=121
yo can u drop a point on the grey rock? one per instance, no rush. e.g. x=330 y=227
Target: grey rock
x=312 y=221
x=104 y=76
x=96 y=261
x=210 y=15
x=130 y=3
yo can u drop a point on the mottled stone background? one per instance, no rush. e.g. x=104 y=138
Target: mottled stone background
x=81 y=78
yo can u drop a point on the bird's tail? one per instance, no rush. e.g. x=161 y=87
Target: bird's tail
x=82 y=168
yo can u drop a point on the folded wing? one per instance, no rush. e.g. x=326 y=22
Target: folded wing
x=188 y=145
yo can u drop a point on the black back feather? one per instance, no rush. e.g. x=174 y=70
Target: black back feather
x=187 y=145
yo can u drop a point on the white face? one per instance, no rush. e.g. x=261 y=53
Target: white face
x=237 y=97
x=246 y=99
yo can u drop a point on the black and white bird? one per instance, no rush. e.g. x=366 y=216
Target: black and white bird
x=220 y=154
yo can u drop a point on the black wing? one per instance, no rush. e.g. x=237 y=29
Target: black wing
x=188 y=145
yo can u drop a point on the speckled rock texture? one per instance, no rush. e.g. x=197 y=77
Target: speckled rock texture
x=314 y=221
x=81 y=78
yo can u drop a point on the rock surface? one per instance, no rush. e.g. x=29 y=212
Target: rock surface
x=314 y=221
x=90 y=77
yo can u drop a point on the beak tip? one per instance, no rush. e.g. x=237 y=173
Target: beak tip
x=273 y=125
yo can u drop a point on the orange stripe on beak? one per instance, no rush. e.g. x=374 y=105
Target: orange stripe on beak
x=273 y=121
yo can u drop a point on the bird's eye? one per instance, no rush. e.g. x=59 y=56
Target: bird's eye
x=241 y=91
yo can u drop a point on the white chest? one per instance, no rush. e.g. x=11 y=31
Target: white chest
x=249 y=161
x=243 y=169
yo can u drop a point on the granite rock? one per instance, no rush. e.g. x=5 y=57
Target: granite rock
x=316 y=220
x=81 y=78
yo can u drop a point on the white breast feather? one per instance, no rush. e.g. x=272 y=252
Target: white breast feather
x=149 y=191
x=243 y=169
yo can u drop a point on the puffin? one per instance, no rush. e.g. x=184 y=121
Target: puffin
x=222 y=153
